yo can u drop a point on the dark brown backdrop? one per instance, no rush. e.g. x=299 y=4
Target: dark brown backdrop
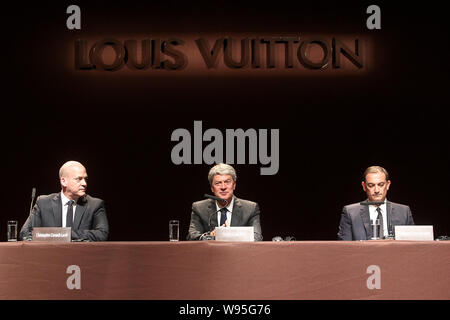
x=331 y=127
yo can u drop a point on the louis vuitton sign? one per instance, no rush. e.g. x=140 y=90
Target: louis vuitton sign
x=241 y=52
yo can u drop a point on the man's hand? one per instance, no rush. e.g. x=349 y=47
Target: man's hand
x=213 y=233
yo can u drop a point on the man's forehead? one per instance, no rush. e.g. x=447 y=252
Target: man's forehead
x=375 y=177
x=76 y=170
x=219 y=177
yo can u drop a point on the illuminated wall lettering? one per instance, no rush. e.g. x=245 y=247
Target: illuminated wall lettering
x=227 y=52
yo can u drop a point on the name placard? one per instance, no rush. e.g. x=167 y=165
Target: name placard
x=235 y=234
x=52 y=234
x=417 y=233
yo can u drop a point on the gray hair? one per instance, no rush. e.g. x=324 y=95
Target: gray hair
x=221 y=168
x=375 y=169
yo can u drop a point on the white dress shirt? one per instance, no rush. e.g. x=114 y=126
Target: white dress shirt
x=64 y=201
x=374 y=214
x=229 y=212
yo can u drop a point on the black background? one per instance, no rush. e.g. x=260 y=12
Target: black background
x=331 y=127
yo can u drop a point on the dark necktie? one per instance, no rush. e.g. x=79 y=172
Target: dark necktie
x=223 y=216
x=380 y=217
x=69 y=217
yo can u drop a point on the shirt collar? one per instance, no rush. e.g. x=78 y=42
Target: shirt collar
x=64 y=199
x=382 y=206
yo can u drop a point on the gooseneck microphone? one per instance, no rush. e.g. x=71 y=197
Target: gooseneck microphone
x=388 y=214
x=27 y=235
x=371 y=203
x=216 y=198
x=33 y=195
x=215 y=212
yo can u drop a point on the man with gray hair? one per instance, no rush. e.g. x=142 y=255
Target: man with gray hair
x=208 y=214
x=71 y=207
x=355 y=218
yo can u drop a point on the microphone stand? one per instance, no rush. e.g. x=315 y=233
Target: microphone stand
x=28 y=236
x=207 y=235
x=388 y=215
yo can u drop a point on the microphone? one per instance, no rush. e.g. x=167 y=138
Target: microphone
x=33 y=195
x=388 y=214
x=28 y=236
x=215 y=212
x=216 y=198
x=371 y=203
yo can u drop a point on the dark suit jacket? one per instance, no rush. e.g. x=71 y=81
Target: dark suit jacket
x=355 y=220
x=90 y=222
x=244 y=213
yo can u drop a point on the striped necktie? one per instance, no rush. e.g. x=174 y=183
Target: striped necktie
x=223 y=216
x=380 y=217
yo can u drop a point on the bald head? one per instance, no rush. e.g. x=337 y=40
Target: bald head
x=73 y=179
x=66 y=167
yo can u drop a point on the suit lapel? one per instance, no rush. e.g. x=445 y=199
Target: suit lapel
x=79 y=212
x=365 y=216
x=394 y=219
x=236 y=216
x=57 y=210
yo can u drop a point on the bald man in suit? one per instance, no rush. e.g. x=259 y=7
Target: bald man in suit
x=71 y=207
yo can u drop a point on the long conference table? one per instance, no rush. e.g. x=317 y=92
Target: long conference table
x=213 y=270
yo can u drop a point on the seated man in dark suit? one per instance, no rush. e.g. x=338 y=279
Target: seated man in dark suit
x=71 y=207
x=355 y=218
x=238 y=212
